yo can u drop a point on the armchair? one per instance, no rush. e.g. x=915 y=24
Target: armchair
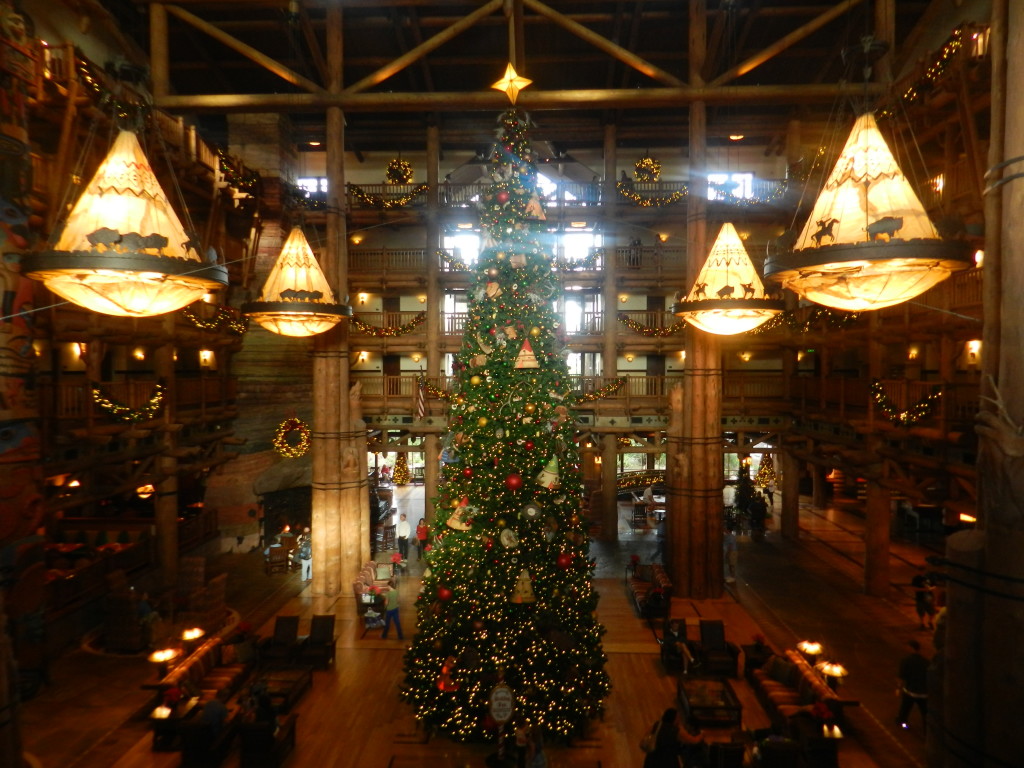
x=715 y=655
x=282 y=644
x=317 y=647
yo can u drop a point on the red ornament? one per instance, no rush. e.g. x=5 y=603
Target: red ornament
x=564 y=560
x=514 y=482
x=528 y=445
x=444 y=594
x=488 y=543
x=467 y=472
x=503 y=196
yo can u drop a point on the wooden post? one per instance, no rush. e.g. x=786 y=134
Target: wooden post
x=608 y=514
x=789 y=517
x=609 y=488
x=434 y=306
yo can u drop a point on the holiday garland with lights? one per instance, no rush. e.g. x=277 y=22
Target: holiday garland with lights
x=284 y=446
x=400 y=475
x=649 y=332
x=833 y=319
x=388 y=202
x=222 y=318
x=919 y=411
x=389 y=331
x=123 y=412
x=507 y=594
x=625 y=188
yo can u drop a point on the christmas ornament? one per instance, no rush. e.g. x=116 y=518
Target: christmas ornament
x=518 y=260
x=534 y=210
x=529 y=407
x=564 y=560
x=530 y=511
x=444 y=594
x=502 y=196
x=548 y=477
x=514 y=482
x=492 y=290
x=444 y=680
x=529 y=445
x=508 y=538
x=460 y=519
x=526 y=358
x=523 y=592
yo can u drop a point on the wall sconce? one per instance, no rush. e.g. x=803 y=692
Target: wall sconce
x=139 y=353
x=967 y=518
x=79 y=350
x=206 y=358
x=362 y=297
x=598 y=460
x=973 y=351
x=209 y=298
x=682 y=355
x=913 y=352
x=623 y=297
x=663 y=237
x=357 y=238
x=422 y=298
x=363 y=356
x=745 y=356
x=75 y=484
x=145 y=491
x=630 y=357
x=416 y=357
x=979 y=258
x=800 y=355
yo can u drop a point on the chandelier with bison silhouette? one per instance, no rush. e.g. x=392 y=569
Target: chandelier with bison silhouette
x=296 y=299
x=868 y=243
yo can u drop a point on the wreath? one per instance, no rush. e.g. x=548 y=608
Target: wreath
x=282 y=444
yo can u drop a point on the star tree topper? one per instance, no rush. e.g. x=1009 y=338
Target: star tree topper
x=511 y=83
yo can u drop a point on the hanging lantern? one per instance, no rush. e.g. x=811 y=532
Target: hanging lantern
x=728 y=296
x=123 y=251
x=296 y=299
x=868 y=243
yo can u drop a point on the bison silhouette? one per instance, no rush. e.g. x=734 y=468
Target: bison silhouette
x=726 y=291
x=887 y=225
x=290 y=294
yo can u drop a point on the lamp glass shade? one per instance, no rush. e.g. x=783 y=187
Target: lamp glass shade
x=868 y=243
x=728 y=296
x=123 y=251
x=296 y=299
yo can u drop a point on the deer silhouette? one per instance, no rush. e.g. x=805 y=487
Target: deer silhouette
x=748 y=290
x=824 y=230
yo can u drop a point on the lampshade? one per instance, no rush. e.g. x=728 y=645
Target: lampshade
x=728 y=296
x=868 y=243
x=296 y=299
x=123 y=250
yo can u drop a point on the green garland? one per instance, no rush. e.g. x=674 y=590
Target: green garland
x=433 y=391
x=912 y=415
x=588 y=262
x=644 y=330
x=600 y=394
x=833 y=320
x=125 y=413
x=386 y=203
x=222 y=318
x=453 y=261
x=639 y=480
x=389 y=332
x=625 y=189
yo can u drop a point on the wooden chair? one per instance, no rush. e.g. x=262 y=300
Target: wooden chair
x=317 y=648
x=283 y=643
x=714 y=653
x=276 y=560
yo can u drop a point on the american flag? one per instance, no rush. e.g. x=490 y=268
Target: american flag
x=420 y=404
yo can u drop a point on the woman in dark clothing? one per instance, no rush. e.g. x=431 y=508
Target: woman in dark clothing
x=675 y=746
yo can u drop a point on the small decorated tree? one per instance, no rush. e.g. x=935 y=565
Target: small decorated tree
x=400 y=475
x=507 y=595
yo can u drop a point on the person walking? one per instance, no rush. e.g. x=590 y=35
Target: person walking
x=422 y=532
x=731 y=554
x=912 y=685
x=391 y=611
x=306 y=555
x=402 y=531
x=924 y=598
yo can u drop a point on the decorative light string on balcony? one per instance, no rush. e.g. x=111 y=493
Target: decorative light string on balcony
x=452 y=261
x=588 y=262
x=126 y=413
x=427 y=388
x=390 y=331
x=284 y=446
x=607 y=390
x=920 y=87
x=222 y=318
x=790 y=320
x=648 y=331
x=389 y=202
x=625 y=188
x=638 y=480
x=912 y=415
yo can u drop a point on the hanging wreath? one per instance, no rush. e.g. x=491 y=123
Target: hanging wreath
x=647 y=169
x=126 y=413
x=399 y=172
x=390 y=331
x=282 y=444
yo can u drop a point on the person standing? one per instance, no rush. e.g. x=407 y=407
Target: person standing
x=673 y=741
x=422 y=532
x=402 y=531
x=391 y=610
x=306 y=555
x=912 y=685
x=731 y=553
x=924 y=598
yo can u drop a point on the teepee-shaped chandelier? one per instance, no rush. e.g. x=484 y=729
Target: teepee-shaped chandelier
x=123 y=251
x=296 y=299
x=728 y=296
x=868 y=243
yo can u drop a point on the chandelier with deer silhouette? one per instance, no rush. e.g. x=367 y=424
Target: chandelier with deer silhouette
x=728 y=296
x=868 y=242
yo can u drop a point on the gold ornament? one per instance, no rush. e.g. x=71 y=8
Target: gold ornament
x=482 y=421
x=535 y=331
x=530 y=408
x=475 y=380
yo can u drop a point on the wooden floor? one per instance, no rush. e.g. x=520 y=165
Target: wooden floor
x=94 y=715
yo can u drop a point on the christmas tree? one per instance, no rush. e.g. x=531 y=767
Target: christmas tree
x=507 y=595
x=765 y=472
x=400 y=474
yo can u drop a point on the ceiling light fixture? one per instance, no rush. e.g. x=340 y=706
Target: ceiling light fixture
x=848 y=255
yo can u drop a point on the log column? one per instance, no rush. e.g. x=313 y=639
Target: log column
x=695 y=537
x=434 y=307
x=611 y=206
x=876 y=540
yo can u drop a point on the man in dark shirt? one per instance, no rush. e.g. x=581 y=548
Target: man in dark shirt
x=913 y=685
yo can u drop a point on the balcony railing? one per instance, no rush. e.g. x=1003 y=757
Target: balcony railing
x=73 y=399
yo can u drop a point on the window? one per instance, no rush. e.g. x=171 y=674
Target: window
x=578 y=245
x=313 y=184
x=463 y=245
x=722 y=186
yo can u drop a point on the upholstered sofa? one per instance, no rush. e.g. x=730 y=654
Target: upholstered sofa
x=213 y=666
x=650 y=589
x=788 y=685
